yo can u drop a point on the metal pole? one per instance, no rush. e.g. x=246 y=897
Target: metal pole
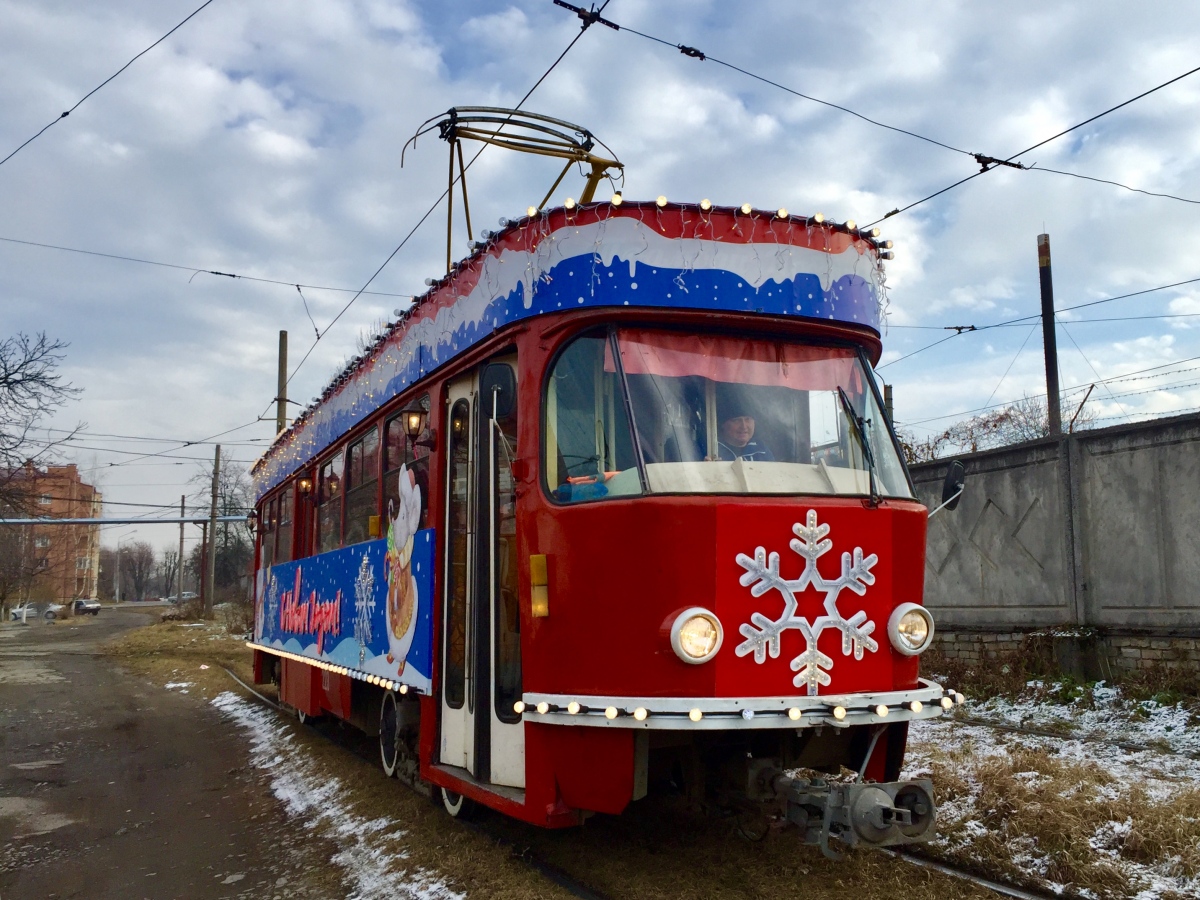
x=1048 y=335
x=281 y=392
x=118 y=576
x=212 y=538
x=182 y=513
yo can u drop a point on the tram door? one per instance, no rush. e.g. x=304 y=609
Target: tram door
x=481 y=639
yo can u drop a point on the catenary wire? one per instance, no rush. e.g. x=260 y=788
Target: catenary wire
x=1010 y=322
x=1067 y=332
x=1017 y=356
x=697 y=54
x=432 y=208
x=104 y=82
x=1042 y=143
x=200 y=269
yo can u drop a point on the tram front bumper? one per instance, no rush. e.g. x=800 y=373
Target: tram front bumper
x=927 y=700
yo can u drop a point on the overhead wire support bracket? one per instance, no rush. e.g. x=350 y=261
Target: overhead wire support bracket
x=589 y=17
x=987 y=163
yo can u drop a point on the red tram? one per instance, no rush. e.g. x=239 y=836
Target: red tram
x=615 y=506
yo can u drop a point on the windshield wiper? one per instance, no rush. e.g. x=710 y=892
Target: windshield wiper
x=860 y=429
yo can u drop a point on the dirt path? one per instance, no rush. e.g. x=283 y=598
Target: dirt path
x=111 y=787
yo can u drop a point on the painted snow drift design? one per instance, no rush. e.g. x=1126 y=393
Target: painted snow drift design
x=632 y=256
x=762 y=633
x=336 y=607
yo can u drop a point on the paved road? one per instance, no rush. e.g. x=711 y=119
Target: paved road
x=111 y=787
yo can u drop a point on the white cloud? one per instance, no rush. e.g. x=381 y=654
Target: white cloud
x=265 y=140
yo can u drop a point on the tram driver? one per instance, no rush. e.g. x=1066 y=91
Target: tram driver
x=736 y=439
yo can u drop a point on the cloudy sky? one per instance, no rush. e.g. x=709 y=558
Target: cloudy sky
x=263 y=139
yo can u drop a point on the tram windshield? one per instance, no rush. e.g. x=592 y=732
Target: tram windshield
x=645 y=411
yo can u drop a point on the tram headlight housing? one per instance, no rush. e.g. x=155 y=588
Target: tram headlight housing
x=910 y=629
x=696 y=635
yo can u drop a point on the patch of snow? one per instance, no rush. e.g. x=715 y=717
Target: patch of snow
x=368 y=851
x=1104 y=711
x=961 y=823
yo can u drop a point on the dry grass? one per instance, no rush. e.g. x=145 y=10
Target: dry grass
x=657 y=849
x=1069 y=818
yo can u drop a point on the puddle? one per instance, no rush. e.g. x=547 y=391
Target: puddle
x=32 y=816
x=37 y=764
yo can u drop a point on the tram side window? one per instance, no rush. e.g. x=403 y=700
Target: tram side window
x=589 y=452
x=267 y=534
x=329 y=506
x=508 y=612
x=362 y=482
x=283 y=527
x=457 y=520
x=401 y=450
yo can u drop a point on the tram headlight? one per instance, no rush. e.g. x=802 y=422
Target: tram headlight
x=696 y=635
x=910 y=629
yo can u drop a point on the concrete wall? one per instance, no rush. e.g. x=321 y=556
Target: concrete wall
x=1098 y=529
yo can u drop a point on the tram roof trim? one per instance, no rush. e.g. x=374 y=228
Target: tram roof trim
x=677 y=256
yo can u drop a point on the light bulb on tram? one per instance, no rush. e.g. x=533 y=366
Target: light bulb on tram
x=696 y=635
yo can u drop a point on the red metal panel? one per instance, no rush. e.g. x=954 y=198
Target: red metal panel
x=335 y=693
x=300 y=685
x=593 y=766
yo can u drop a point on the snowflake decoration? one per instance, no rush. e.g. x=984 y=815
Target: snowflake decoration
x=762 y=575
x=364 y=606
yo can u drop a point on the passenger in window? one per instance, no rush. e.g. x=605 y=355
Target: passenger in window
x=737 y=439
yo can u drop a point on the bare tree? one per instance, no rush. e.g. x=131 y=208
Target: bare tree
x=235 y=543
x=1026 y=419
x=31 y=389
x=106 y=582
x=167 y=572
x=137 y=564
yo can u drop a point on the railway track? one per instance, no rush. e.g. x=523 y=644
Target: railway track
x=576 y=888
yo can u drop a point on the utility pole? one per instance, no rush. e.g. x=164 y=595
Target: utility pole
x=887 y=403
x=210 y=589
x=1048 y=334
x=281 y=393
x=182 y=513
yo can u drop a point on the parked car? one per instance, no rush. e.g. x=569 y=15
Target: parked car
x=36 y=609
x=87 y=606
x=184 y=597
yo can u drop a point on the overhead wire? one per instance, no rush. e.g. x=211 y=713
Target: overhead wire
x=1009 y=161
x=1067 y=332
x=198 y=270
x=436 y=203
x=975 y=329
x=81 y=100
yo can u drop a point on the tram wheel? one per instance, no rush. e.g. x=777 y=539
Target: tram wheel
x=457 y=805
x=389 y=739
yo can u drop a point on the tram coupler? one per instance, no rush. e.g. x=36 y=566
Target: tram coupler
x=868 y=813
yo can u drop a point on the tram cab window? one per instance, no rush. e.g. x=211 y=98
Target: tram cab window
x=589 y=451
x=401 y=450
x=362 y=483
x=329 y=505
x=283 y=527
x=715 y=414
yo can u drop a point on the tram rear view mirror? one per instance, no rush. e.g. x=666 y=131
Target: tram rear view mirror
x=498 y=387
x=952 y=487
